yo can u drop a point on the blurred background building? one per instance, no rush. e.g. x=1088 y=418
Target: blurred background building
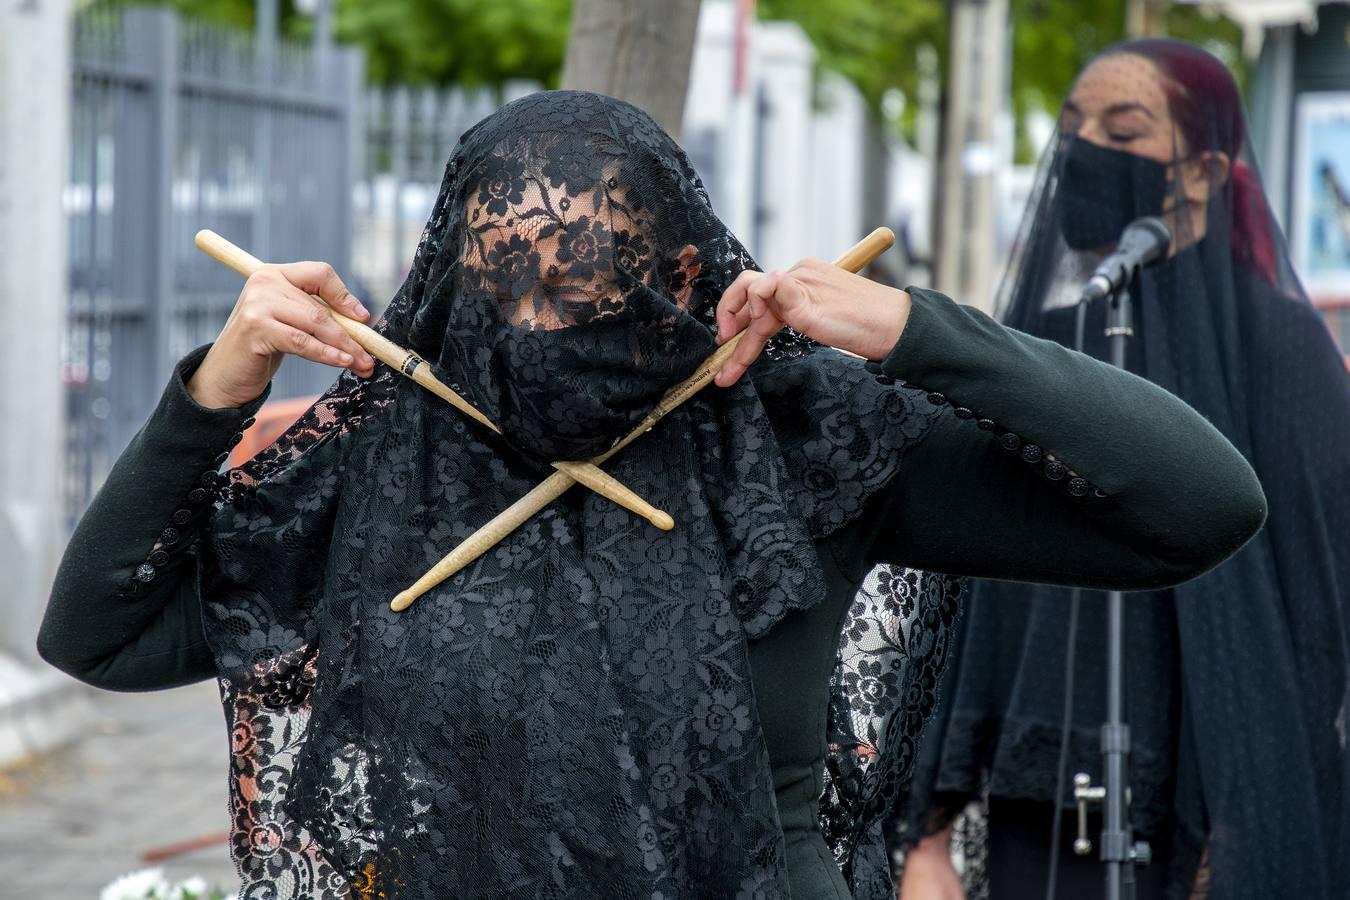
x=319 y=129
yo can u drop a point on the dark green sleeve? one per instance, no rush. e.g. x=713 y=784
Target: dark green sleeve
x=124 y=612
x=1151 y=494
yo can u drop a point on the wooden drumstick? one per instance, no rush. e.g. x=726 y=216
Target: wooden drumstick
x=416 y=368
x=854 y=259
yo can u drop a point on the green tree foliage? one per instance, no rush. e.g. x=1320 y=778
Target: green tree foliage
x=461 y=41
x=871 y=42
x=424 y=41
x=874 y=43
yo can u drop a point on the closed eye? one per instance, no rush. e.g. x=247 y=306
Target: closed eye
x=568 y=293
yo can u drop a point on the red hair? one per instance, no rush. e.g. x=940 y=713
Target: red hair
x=1207 y=107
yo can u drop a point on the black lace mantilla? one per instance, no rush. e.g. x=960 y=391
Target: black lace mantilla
x=571 y=715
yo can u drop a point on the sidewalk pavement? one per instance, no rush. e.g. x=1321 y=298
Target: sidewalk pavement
x=150 y=772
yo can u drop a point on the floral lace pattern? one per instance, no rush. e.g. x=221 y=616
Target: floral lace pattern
x=891 y=655
x=572 y=714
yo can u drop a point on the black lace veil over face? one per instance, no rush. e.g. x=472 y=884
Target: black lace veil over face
x=591 y=283
x=1257 y=647
x=572 y=715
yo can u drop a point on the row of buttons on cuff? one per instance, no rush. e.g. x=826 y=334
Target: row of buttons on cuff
x=1032 y=454
x=147 y=570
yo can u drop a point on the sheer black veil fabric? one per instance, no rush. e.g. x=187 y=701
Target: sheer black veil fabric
x=572 y=715
x=1236 y=681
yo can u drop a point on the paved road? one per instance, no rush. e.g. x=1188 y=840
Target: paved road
x=151 y=772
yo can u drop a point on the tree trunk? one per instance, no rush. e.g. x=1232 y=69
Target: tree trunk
x=964 y=258
x=1146 y=18
x=636 y=50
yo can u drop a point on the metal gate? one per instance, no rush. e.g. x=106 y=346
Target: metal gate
x=177 y=126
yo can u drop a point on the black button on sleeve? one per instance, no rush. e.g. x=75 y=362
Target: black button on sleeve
x=168 y=536
x=247 y=423
x=1010 y=441
x=145 y=572
x=181 y=517
x=985 y=424
x=964 y=413
x=1032 y=453
x=1054 y=470
x=158 y=558
x=196 y=495
x=1078 y=486
x=936 y=399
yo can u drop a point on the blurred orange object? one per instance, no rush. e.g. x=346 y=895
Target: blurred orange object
x=274 y=418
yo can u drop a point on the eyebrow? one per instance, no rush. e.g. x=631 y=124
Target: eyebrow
x=1114 y=109
x=1118 y=108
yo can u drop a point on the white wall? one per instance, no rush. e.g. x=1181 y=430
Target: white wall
x=837 y=180
x=782 y=63
x=789 y=183
x=34 y=112
x=39 y=707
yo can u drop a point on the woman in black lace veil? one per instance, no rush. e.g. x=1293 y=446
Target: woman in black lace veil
x=595 y=708
x=1236 y=682
x=568 y=275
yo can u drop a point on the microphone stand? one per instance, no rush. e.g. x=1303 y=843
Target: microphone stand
x=1119 y=850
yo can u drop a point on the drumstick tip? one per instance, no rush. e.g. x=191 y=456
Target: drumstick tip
x=402 y=601
x=661 y=520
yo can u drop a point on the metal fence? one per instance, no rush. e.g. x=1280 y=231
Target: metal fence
x=178 y=126
x=408 y=134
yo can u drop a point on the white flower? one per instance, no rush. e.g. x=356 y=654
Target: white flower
x=195 y=888
x=147 y=883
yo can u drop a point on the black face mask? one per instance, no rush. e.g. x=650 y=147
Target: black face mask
x=1102 y=190
x=571 y=393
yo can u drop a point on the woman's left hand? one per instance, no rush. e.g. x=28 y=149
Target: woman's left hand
x=823 y=302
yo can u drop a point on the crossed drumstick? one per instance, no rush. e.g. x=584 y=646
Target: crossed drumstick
x=586 y=472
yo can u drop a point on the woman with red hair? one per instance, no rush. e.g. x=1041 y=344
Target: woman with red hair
x=1235 y=682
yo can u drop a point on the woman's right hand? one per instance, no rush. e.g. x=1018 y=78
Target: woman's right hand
x=929 y=873
x=273 y=316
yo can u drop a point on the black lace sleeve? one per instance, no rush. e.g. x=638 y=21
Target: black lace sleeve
x=1049 y=466
x=124 y=612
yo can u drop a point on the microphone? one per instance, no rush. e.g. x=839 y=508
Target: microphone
x=1142 y=241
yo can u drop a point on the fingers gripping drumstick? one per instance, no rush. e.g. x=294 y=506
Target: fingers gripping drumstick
x=416 y=368
x=857 y=256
